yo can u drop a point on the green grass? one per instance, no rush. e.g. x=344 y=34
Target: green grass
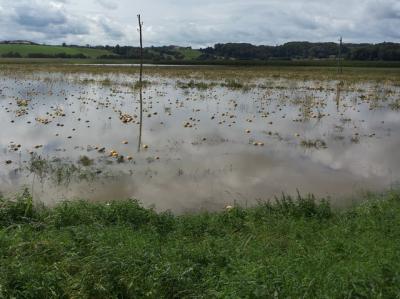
x=291 y=249
x=189 y=54
x=24 y=50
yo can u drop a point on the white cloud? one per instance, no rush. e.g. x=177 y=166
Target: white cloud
x=200 y=22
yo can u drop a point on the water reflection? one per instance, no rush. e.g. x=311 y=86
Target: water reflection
x=140 y=107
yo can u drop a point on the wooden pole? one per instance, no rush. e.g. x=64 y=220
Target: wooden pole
x=141 y=46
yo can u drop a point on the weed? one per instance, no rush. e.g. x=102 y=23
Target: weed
x=142 y=84
x=193 y=85
x=85 y=161
x=395 y=105
x=232 y=84
x=317 y=144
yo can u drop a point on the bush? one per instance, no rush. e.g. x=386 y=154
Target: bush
x=11 y=55
x=58 y=55
x=19 y=211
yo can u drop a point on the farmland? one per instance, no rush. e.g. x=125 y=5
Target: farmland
x=204 y=130
x=230 y=182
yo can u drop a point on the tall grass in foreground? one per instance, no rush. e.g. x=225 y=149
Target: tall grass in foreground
x=289 y=249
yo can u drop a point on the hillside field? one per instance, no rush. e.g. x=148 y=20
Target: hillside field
x=25 y=50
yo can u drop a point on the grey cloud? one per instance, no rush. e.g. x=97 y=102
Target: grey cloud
x=45 y=21
x=384 y=9
x=201 y=22
x=39 y=15
x=110 y=29
x=109 y=4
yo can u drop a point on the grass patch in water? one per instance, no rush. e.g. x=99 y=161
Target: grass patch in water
x=143 y=84
x=317 y=144
x=194 y=85
x=85 y=161
x=395 y=105
x=62 y=172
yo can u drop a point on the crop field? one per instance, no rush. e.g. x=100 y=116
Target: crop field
x=210 y=136
x=199 y=149
x=227 y=182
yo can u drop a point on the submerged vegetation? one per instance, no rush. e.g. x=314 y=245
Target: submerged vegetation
x=395 y=105
x=317 y=144
x=230 y=84
x=194 y=85
x=292 y=248
x=141 y=84
x=61 y=171
x=234 y=84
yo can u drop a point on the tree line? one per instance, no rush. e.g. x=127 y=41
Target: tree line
x=288 y=51
x=241 y=51
x=303 y=50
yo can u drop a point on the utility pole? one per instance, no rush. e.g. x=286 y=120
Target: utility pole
x=340 y=70
x=141 y=46
x=140 y=84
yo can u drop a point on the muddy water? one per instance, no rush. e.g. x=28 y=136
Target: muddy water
x=201 y=148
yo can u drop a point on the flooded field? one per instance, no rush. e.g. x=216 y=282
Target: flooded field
x=209 y=136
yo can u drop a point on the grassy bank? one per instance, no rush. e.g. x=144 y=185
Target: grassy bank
x=290 y=249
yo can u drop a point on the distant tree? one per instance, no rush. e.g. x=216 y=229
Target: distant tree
x=117 y=49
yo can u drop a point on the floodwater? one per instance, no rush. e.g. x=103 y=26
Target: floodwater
x=201 y=147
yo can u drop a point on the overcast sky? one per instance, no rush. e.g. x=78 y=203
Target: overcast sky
x=199 y=23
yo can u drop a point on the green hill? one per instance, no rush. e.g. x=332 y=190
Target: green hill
x=25 y=50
